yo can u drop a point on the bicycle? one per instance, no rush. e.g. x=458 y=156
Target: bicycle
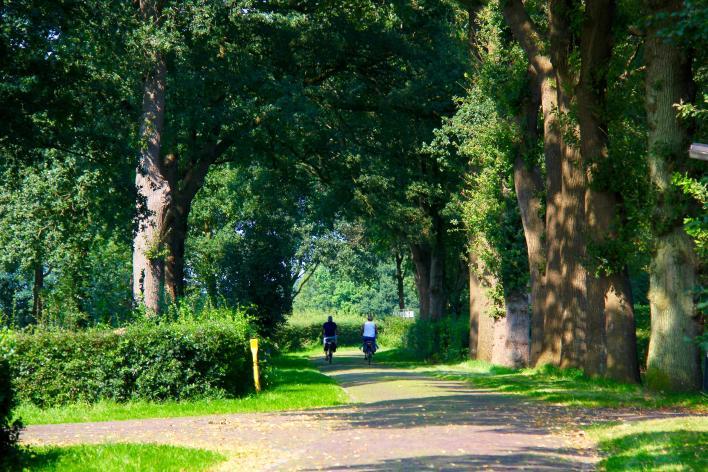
x=369 y=350
x=329 y=347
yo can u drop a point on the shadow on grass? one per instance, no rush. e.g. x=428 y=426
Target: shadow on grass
x=25 y=458
x=572 y=388
x=657 y=450
x=291 y=369
x=564 y=386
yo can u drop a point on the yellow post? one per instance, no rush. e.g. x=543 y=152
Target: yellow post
x=256 y=373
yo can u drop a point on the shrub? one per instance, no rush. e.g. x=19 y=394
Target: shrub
x=292 y=337
x=393 y=331
x=304 y=329
x=149 y=360
x=444 y=340
x=9 y=429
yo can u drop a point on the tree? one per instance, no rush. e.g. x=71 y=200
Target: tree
x=582 y=309
x=63 y=126
x=673 y=360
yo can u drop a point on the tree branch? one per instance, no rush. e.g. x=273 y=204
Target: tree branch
x=526 y=33
x=304 y=281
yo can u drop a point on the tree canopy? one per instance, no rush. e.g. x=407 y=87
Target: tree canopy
x=520 y=164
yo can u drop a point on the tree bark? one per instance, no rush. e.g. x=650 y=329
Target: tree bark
x=571 y=235
x=175 y=240
x=165 y=194
x=152 y=187
x=481 y=308
x=546 y=314
x=673 y=362
x=528 y=186
x=502 y=340
x=437 y=272
x=511 y=332
x=420 y=253
x=37 y=287
x=399 y=279
x=611 y=341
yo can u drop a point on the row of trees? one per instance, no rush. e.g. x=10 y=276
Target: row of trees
x=598 y=110
x=526 y=160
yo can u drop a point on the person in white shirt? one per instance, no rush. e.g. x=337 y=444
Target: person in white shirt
x=368 y=331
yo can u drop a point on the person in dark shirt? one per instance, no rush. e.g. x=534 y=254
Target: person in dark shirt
x=329 y=330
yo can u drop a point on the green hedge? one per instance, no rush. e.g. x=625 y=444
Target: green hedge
x=9 y=430
x=147 y=360
x=293 y=337
x=443 y=340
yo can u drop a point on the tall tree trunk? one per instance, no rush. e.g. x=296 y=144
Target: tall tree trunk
x=437 y=272
x=420 y=253
x=546 y=346
x=152 y=187
x=571 y=235
x=37 y=287
x=511 y=332
x=481 y=309
x=502 y=339
x=611 y=342
x=399 y=279
x=673 y=362
x=175 y=240
x=546 y=318
x=528 y=186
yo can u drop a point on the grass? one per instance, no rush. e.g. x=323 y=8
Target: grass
x=678 y=444
x=559 y=386
x=296 y=385
x=114 y=457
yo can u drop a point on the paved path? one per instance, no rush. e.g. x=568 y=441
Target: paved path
x=402 y=420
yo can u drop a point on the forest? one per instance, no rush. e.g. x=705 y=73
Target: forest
x=517 y=170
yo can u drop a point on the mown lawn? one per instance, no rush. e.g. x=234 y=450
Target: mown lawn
x=113 y=458
x=297 y=384
x=679 y=444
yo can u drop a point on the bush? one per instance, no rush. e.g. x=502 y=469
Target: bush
x=393 y=331
x=9 y=429
x=444 y=340
x=292 y=337
x=304 y=329
x=148 y=360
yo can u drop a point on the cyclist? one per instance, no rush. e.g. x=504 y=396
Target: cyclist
x=329 y=334
x=368 y=332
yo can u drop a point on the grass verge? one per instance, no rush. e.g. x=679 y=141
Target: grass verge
x=114 y=457
x=297 y=384
x=567 y=387
x=677 y=444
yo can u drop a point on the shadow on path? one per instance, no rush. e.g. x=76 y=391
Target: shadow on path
x=536 y=459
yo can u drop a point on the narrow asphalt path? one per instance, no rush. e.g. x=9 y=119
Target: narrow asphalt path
x=401 y=420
